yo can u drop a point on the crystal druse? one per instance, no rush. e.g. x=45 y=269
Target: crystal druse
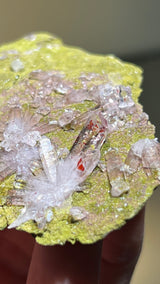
x=78 y=155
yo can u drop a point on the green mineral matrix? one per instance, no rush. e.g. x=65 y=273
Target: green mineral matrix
x=77 y=153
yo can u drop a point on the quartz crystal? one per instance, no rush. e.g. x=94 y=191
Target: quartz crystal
x=17 y=65
x=78 y=156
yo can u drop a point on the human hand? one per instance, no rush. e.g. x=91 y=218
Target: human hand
x=80 y=264
x=111 y=261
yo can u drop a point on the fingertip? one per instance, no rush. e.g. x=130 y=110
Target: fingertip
x=121 y=249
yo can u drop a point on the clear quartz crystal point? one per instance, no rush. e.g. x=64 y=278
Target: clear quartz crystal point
x=49 y=157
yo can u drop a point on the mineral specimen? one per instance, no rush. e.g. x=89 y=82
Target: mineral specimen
x=78 y=155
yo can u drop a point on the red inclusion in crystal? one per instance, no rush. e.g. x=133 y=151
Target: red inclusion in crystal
x=80 y=165
x=90 y=125
x=102 y=130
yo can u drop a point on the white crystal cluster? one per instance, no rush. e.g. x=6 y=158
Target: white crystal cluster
x=18 y=144
x=58 y=177
x=114 y=104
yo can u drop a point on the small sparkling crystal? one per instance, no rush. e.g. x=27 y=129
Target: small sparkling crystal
x=17 y=65
x=78 y=213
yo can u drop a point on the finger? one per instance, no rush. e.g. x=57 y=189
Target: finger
x=68 y=264
x=121 y=250
x=15 y=256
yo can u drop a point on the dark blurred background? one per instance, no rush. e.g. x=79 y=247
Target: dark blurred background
x=128 y=29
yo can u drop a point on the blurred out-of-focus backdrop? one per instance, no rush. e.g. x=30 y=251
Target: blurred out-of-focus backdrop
x=128 y=29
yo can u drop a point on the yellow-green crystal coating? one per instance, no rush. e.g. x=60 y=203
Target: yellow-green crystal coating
x=106 y=213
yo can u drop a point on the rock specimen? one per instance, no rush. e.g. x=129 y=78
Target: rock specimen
x=78 y=155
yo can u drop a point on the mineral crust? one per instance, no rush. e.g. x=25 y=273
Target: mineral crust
x=78 y=156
